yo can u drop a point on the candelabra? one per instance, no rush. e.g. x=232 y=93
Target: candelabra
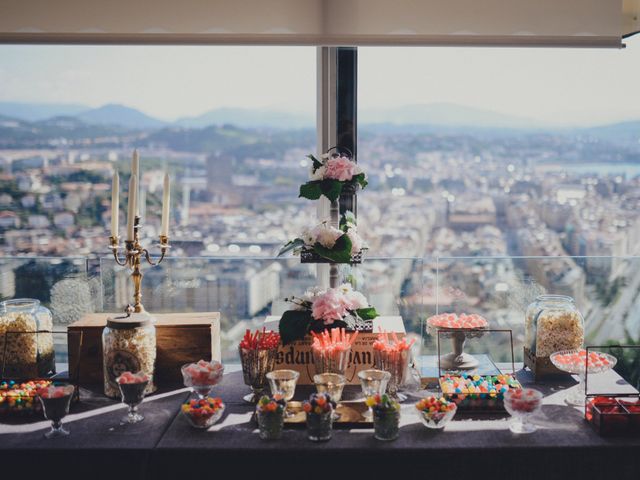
x=132 y=259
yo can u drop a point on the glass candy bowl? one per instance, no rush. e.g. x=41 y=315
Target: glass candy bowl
x=435 y=413
x=203 y=413
x=522 y=404
x=576 y=362
x=202 y=376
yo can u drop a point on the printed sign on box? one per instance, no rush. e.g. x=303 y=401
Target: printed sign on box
x=297 y=356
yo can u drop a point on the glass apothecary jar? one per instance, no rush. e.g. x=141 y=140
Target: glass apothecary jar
x=26 y=339
x=128 y=345
x=553 y=323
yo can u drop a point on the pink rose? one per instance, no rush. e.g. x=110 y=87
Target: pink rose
x=340 y=168
x=329 y=307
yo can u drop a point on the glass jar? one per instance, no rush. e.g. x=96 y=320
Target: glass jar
x=553 y=323
x=386 y=424
x=319 y=426
x=26 y=339
x=128 y=345
x=270 y=425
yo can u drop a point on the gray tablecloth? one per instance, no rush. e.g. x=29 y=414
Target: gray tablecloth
x=165 y=446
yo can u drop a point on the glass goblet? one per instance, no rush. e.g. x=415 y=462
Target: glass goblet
x=373 y=382
x=55 y=405
x=332 y=384
x=283 y=384
x=132 y=395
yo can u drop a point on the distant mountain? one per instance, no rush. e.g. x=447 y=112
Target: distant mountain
x=444 y=115
x=32 y=112
x=121 y=116
x=622 y=132
x=249 y=118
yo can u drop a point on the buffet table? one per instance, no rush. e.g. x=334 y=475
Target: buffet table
x=165 y=446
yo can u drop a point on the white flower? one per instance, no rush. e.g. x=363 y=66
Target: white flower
x=356 y=241
x=319 y=173
x=307 y=237
x=345 y=288
x=325 y=235
x=311 y=294
x=357 y=300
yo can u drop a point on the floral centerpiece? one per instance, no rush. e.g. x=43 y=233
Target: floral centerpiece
x=318 y=310
x=332 y=175
x=339 y=245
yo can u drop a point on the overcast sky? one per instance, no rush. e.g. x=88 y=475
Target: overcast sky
x=560 y=86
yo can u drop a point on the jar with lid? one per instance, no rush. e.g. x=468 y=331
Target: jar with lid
x=26 y=339
x=553 y=323
x=128 y=345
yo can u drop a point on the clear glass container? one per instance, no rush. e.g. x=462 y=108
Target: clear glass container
x=26 y=339
x=128 y=345
x=553 y=323
x=319 y=426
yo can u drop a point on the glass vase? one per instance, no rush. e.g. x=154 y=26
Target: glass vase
x=319 y=426
x=386 y=425
x=270 y=425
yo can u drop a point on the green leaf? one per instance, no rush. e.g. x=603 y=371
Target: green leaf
x=331 y=188
x=294 y=325
x=361 y=179
x=340 y=253
x=347 y=219
x=292 y=245
x=311 y=190
x=316 y=163
x=367 y=313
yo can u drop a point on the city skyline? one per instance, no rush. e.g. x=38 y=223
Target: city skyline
x=556 y=87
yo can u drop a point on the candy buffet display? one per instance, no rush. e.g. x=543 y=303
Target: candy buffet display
x=522 y=404
x=55 y=402
x=202 y=376
x=20 y=398
x=393 y=356
x=614 y=416
x=577 y=362
x=319 y=410
x=458 y=328
x=386 y=417
x=258 y=354
x=26 y=339
x=204 y=412
x=435 y=412
x=331 y=350
x=552 y=323
x=478 y=392
x=128 y=344
x=270 y=415
x=132 y=389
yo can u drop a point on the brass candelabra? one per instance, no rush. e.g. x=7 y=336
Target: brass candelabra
x=132 y=259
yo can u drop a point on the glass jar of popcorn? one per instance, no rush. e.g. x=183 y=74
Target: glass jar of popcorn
x=128 y=345
x=553 y=323
x=26 y=339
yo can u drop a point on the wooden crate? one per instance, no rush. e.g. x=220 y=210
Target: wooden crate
x=541 y=367
x=180 y=338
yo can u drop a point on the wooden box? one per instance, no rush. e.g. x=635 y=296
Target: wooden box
x=541 y=367
x=297 y=356
x=180 y=338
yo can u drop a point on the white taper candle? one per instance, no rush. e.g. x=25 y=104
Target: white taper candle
x=115 y=204
x=166 y=201
x=133 y=200
x=135 y=172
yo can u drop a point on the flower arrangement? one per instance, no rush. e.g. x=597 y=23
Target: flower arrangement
x=318 y=310
x=318 y=404
x=338 y=245
x=331 y=175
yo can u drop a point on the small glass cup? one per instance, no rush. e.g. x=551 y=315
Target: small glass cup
x=331 y=384
x=132 y=395
x=373 y=382
x=55 y=406
x=436 y=420
x=386 y=424
x=397 y=364
x=270 y=425
x=256 y=363
x=319 y=426
x=201 y=382
x=522 y=404
x=283 y=384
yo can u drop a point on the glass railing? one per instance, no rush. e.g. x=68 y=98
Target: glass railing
x=246 y=290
